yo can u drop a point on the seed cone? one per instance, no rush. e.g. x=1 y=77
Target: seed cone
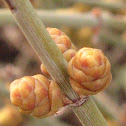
x=36 y=95
x=10 y=116
x=64 y=44
x=89 y=71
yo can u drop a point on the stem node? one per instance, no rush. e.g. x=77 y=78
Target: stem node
x=9 y=3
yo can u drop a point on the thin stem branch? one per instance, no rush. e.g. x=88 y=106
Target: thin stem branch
x=102 y=4
x=52 y=58
x=52 y=18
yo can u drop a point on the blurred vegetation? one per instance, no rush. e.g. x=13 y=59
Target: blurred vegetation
x=17 y=58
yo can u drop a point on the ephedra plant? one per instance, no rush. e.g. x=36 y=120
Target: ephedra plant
x=86 y=73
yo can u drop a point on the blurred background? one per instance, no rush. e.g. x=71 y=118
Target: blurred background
x=89 y=23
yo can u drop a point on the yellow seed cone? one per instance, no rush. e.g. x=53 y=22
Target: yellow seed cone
x=89 y=71
x=64 y=44
x=10 y=116
x=36 y=95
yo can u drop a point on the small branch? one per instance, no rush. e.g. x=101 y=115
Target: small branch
x=114 y=22
x=102 y=4
x=54 y=19
x=52 y=58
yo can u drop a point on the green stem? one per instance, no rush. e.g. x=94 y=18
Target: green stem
x=89 y=114
x=54 y=19
x=102 y=4
x=52 y=58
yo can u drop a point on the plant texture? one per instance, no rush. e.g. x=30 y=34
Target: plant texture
x=36 y=95
x=64 y=44
x=89 y=71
